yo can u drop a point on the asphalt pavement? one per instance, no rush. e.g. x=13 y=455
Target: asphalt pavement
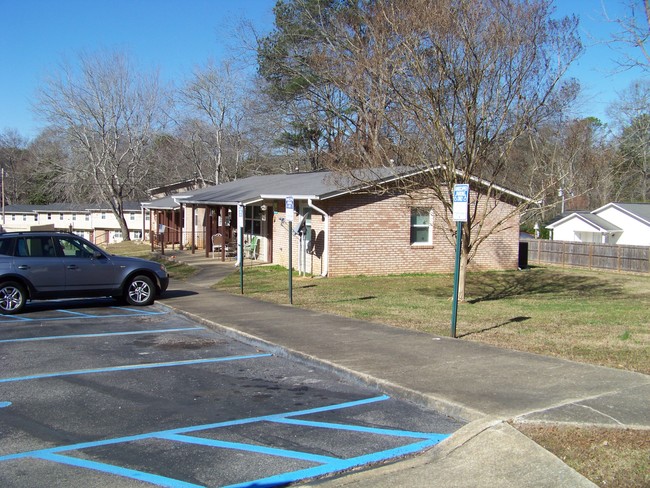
x=481 y=384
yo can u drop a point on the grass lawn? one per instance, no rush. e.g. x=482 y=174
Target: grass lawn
x=587 y=316
x=178 y=271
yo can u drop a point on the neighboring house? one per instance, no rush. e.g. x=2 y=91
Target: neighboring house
x=95 y=222
x=614 y=223
x=344 y=227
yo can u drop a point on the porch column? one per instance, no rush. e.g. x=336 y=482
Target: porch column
x=193 y=228
x=208 y=233
x=222 y=214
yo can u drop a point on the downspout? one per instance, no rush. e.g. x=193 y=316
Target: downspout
x=326 y=245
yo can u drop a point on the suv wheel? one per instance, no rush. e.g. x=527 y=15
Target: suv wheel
x=140 y=291
x=12 y=297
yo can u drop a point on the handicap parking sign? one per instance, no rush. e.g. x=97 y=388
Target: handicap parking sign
x=461 y=199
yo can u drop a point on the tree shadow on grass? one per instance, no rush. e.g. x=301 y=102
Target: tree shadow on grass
x=497 y=286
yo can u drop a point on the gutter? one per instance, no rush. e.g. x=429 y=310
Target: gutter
x=326 y=246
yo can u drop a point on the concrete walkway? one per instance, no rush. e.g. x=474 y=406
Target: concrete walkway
x=481 y=384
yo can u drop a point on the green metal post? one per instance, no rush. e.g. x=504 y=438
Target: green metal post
x=454 y=305
x=241 y=259
x=290 y=264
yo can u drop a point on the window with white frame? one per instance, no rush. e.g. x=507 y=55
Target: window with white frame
x=421 y=226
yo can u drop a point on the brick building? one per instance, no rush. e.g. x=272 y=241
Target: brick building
x=344 y=227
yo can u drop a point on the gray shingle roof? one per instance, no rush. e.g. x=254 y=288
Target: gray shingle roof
x=641 y=210
x=319 y=185
x=599 y=223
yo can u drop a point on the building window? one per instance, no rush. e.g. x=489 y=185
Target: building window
x=60 y=216
x=253 y=221
x=24 y=217
x=87 y=217
x=103 y=215
x=13 y=216
x=131 y=216
x=421 y=226
x=49 y=216
x=74 y=216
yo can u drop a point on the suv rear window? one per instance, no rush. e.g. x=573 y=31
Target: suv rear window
x=7 y=246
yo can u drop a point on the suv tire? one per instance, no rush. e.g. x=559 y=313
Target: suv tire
x=12 y=297
x=140 y=291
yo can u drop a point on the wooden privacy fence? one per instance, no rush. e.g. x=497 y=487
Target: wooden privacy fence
x=589 y=255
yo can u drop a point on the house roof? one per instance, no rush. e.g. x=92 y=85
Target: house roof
x=320 y=185
x=598 y=223
x=640 y=211
x=67 y=207
x=165 y=203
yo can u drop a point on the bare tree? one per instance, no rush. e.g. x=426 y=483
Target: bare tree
x=15 y=162
x=631 y=115
x=448 y=85
x=109 y=112
x=214 y=111
x=633 y=30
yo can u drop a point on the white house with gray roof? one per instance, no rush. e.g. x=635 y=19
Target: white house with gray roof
x=93 y=221
x=614 y=223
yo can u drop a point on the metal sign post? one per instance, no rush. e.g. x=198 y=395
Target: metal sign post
x=240 y=238
x=288 y=203
x=459 y=210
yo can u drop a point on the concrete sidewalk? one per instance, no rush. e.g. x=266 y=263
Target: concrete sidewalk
x=481 y=384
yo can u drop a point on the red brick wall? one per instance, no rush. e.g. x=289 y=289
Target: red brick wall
x=370 y=234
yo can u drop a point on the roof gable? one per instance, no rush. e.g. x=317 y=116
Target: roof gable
x=639 y=211
x=597 y=223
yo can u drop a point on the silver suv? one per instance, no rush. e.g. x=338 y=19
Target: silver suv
x=49 y=265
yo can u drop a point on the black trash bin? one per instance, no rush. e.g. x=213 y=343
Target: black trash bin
x=523 y=254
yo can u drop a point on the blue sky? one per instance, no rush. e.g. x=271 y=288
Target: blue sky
x=176 y=35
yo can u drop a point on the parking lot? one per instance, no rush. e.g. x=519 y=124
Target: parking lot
x=95 y=394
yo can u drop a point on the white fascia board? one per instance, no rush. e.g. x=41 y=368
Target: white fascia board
x=562 y=221
x=282 y=197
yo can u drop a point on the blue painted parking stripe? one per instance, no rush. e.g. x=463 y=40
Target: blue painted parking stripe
x=15 y=318
x=140 y=311
x=193 y=428
x=99 y=334
x=117 y=470
x=132 y=367
x=73 y=312
x=88 y=316
x=339 y=466
x=272 y=451
x=354 y=428
x=329 y=465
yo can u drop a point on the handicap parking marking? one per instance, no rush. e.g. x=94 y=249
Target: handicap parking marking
x=100 y=334
x=132 y=367
x=71 y=314
x=325 y=464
